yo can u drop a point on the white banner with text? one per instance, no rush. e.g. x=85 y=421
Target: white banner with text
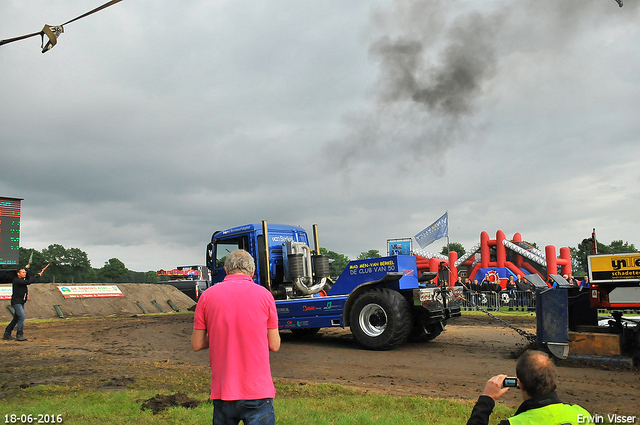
x=90 y=291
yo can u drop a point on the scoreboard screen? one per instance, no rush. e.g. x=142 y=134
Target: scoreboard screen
x=9 y=230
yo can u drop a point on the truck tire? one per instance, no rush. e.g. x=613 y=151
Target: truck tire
x=422 y=333
x=381 y=319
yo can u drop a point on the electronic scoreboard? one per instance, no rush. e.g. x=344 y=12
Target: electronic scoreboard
x=9 y=230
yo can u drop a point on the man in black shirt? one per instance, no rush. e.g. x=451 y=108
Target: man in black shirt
x=525 y=293
x=511 y=289
x=18 y=299
x=476 y=288
x=492 y=291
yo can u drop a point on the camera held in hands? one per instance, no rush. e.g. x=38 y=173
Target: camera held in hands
x=510 y=382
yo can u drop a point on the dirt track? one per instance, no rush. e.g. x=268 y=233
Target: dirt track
x=454 y=365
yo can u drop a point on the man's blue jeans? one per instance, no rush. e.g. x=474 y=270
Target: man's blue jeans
x=18 y=319
x=251 y=412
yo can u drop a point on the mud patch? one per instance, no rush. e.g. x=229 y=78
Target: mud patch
x=521 y=348
x=44 y=296
x=159 y=402
x=117 y=384
x=45 y=381
x=455 y=365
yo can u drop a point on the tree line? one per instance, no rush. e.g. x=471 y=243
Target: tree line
x=72 y=265
x=584 y=248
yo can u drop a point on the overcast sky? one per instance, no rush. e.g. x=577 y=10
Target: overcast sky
x=153 y=124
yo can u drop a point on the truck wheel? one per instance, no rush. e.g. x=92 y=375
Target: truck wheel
x=300 y=332
x=422 y=333
x=381 y=319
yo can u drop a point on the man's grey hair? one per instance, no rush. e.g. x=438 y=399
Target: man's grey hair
x=240 y=261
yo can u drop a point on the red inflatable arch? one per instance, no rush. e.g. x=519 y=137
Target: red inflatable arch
x=506 y=257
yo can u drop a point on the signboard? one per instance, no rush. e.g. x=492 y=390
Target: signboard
x=614 y=267
x=9 y=230
x=399 y=246
x=6 y=291
x=90 y=291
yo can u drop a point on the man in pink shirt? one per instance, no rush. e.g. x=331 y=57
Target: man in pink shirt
x=237 y=321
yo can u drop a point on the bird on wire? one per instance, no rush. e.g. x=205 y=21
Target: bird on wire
x=54 y=31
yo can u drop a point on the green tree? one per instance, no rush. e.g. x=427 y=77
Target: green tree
x=113 y=269
x=584 y=248
x=91 y=276
x=337 y=262
x=620 y=247
x=37 y=259
x=152 y=277
x=372 y=253
x=453 y=246
x=54 y=255
x=133 y=277
x=66 y=265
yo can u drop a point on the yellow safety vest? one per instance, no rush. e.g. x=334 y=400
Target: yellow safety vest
x=553 y=414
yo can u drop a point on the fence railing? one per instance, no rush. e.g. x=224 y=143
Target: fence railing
x=513 y=300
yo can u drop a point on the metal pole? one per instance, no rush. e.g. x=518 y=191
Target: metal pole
x=448 y=250
x=315 y=239
x=267 y=262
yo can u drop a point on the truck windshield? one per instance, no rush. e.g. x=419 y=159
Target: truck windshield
x=226 y=246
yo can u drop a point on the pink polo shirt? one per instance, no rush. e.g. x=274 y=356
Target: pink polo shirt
x=236 y=314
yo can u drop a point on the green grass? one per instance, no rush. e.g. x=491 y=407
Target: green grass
x=295 y=404
x=333 y=404
x=82 y=399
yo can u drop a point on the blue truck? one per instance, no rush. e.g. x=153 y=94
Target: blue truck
x=382 y=300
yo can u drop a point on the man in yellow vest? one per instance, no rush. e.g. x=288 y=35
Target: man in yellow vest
x=537 y=379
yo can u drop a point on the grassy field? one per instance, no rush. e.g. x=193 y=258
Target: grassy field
x=88 y=399
x=296 y=403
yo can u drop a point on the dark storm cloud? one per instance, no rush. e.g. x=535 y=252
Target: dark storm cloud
x=153 y=124
x=435 y=60
x=447 y=86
